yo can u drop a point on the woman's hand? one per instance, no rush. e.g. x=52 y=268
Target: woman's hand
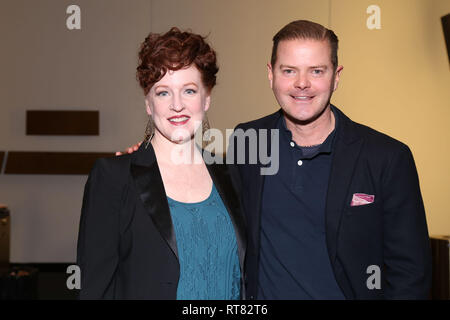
x=130 y=149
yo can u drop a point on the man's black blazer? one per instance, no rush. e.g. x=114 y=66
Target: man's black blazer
x=390 y=233
x=126 y=243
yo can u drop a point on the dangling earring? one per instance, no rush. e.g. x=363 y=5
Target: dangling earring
x=149 y=131
x=205 y=133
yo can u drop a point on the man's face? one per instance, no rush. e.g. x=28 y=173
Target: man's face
x=303 y=78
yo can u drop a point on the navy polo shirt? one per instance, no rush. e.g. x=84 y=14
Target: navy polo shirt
x=294 y=261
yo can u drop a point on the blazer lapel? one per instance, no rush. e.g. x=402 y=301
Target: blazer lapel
x=149 y=184
x=269 y=124
x=346 y=153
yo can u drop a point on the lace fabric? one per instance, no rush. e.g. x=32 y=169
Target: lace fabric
x=207 y=250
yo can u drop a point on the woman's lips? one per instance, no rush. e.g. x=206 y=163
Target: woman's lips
x=179 y=120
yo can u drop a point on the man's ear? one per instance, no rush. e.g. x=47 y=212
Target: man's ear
x=270 y=74
x=337 y=76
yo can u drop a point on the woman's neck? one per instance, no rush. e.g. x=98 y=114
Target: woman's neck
x=171 y=153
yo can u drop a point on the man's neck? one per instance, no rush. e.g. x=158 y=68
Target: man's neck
x=314 y=132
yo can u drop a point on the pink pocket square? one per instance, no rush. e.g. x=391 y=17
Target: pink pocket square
x=360 y=199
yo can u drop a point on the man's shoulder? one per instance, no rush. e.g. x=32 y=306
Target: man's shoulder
x=377 y=141
x=266 y=122
x=373 y=139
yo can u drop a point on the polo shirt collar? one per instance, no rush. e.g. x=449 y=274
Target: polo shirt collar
x=325 y=147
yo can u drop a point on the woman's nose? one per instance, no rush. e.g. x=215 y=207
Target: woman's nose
x=176 y=104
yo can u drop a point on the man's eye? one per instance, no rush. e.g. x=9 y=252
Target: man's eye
x=190 y=91
x=162 y=93
x=317 y=71
x=288 y=71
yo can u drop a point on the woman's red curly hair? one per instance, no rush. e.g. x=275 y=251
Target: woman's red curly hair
x=175 y=50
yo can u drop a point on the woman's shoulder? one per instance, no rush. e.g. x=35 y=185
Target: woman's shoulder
x=112 y=169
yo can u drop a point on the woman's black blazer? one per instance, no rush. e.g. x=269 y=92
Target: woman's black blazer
x=126 y=242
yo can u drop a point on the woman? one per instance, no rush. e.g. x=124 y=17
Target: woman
x=158 y=223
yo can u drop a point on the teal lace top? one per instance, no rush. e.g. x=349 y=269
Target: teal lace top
x=207 y=250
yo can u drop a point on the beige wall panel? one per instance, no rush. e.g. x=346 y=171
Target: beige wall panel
x=396 y=80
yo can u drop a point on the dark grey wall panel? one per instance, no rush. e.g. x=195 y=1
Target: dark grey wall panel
x=62 y=122
x=24 y=162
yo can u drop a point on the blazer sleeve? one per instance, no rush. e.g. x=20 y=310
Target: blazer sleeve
x=98 y=237
x=406 y=245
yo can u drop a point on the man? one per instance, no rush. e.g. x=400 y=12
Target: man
x=343 y=217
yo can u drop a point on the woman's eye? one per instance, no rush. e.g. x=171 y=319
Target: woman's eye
x=190 y=91
x=162 y=93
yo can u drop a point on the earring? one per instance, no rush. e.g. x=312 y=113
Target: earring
x=149 y=131
x=205 y=131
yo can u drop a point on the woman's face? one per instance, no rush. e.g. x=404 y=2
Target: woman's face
x=177 y=104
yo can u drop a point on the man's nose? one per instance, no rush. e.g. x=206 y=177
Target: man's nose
x=302 y=81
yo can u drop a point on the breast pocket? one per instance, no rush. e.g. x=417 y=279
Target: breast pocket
x=359 y=202
x=362 y=209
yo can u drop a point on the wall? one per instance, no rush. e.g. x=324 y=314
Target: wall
x=395 y=79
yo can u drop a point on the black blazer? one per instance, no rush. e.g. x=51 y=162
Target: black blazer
x=126 y=242
x=390 y=233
